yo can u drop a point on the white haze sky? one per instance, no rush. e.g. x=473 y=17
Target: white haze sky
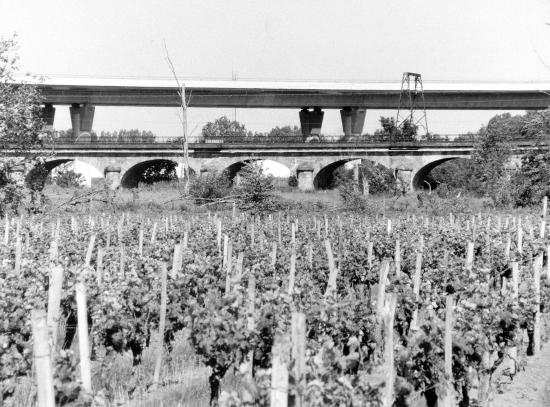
x=340 y=40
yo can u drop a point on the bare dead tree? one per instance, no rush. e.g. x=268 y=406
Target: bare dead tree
x=184 y=102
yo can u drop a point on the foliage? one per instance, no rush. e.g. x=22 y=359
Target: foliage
x=223 y=127
x=293 y=181
x=285 y=132
x=530 y=183
x=353 y=199
x=455 y=174
x=255 y=189
x=21 y=134
x=120 y=136
x=66 y=177
x=407 y=131
x=489 y=159
x=374 y=178
x=159 y=171
x=210 y=187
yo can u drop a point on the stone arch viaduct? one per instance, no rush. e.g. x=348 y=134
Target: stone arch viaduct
x=313 y=163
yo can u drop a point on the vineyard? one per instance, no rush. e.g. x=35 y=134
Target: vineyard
x=299 y=309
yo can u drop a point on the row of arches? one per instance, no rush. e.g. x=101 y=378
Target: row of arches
x=323 y=179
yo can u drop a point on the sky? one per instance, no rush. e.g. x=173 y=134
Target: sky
x=337 y=40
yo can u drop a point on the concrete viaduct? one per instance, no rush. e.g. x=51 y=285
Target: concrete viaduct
x=312 y=162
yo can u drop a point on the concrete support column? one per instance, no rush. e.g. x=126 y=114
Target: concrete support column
x=47 y=113
x=112 y=176
x=311 y=121
x=353 y=120
x=345 y=114
x=82 y=118
x=304 y=174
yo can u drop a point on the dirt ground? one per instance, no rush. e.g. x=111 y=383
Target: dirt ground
x=530 y=387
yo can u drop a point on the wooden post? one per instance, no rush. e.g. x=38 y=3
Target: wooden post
x=537 y=268
x=369 y=254
x=448 y=398
x=520 y=238
x=229 y=258
x=507 y=247
x=388 y=318
x=176 y=261
x=333 y=271
x=99 y=266
x=54 y=302
x=122 y=259
x=42 y=359
x=397 y=258
x=251 y=307
x=162 y=323
x=274 y=254
x=219 y=235
x=298 y=342
x=154 y=233
x=83 y=345
x=225 y=243
x=470 y=257
x=279 y=371
x=89 y=251
x=548 y=263
x=292 y=274
x=185 y=240
x=6 y=230
x=17 y=264
x=416 y=288
x=382 y=278
x=140 y=242
x=513 y=350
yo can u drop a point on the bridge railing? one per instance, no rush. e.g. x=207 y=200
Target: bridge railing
x=363 y=139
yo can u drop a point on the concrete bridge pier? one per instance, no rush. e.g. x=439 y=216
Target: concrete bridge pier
x=47 y=113
x=311 y=121
x=82 y=118
x=353 y=120
x=112 y=176
x=304 y=173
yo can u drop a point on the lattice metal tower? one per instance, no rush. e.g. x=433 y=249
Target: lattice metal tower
x=412 y=108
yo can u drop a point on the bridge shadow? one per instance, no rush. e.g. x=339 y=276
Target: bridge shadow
x=423 y=179
x=150 y=172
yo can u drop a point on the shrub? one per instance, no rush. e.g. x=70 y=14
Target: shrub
x=255 y=190
x=353 y=199
x=374 y=177
x=210 y=187
x=293 y=181
x=530 y=184
x=68 y=178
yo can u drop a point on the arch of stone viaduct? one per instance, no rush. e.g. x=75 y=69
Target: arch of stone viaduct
x=312 y=163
